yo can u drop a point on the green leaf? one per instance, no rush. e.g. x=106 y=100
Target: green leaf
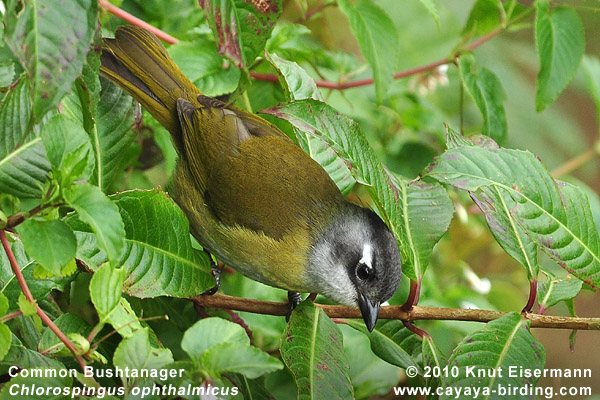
x=51 y=243
x=106 y=288
x=378 y=40
x=432 y=9
x=298 y=85
x=488 y=93
x=312 y=348
x=433 y=358
x=15 y=110
x=483 y=18
x=241 y=28
x=240 y=358
x=95 y=209
x=555 y=290
x=28 y=308
x=87 y=85
x=124 y=319
x=50 y=382
x=591 y=72
x=209 y=332
x=22 y=357
x=402 y=209
x=23 y=163
x=556 y=216
x=500 y=345
x=560 y=42
x=391 y=341
x=50 y=41
x=68 y=149
x=136 y=353
x=201 y=63
x=158 y=257
x=3 y=304
x=5 y=340
x=112 y=133
x=40 y=288
x=68 y=324
x=7 y=73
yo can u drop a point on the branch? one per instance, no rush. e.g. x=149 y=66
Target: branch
x=396 y=312
x=29 y=297
x=575 y=162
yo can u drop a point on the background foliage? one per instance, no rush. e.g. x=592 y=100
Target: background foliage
x=107 y=254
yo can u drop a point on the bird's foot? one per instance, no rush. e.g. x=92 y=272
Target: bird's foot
x=294 y=298
x=216 y=272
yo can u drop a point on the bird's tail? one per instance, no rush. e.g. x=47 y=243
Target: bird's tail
x=137 y=61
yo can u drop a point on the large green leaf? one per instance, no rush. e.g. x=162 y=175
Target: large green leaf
x=556 y=289
x=240 y=27
x=240 y=358
x=418 y=215
x=487 y=91
x=50 y=38
x=158 y=256
x=502 y=344
x=209 y=332
x=111 y=134
x=15 y=111
x=106 y=288
x=514 y=188
x=311 y=347
x=560 y=42
x=298 y=85
x=378 y=40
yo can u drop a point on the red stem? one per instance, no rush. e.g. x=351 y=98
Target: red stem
x=29 y=297
x=532 y=296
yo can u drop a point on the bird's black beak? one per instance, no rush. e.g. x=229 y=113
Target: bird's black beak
x=368 y=310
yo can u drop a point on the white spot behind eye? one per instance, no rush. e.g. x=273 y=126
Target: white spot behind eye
x=367 y=256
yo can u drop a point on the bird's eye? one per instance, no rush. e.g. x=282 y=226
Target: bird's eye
x=363 y=271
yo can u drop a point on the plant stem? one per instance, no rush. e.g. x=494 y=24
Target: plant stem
x=396 y=312
x=25 y=289
x=574 y=163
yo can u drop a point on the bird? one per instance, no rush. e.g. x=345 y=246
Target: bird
x=254 y=199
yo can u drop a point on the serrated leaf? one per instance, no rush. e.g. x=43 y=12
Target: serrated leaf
x=391 y=342
x=298 y=85
x=241 y=28
x=555 y=216
x=378 y=40
x=106 y=288
x=136 y=353
x=209 y=332
x=7 y=73
x=112 y=134
x=400 y=207
x=95 y=209
x=487 y=91
x=311 y=347
x=51 y=42
x=239 y=358
x=123 y=319
x=555 y=290
x=201 y=63
x=68 y=149
x=22 y=357
x=51 y=243
x=158 y=257
x=560 y=42
x=500 y=345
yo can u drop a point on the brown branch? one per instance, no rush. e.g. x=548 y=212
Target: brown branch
x=396 y=312
x=29 y=297
x=11 y=315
